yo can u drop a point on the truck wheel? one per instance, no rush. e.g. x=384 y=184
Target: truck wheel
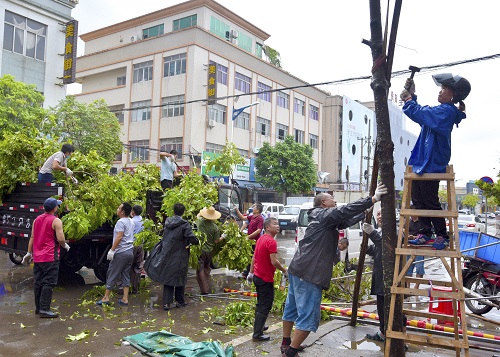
x=101 y=271
x=16 y=258
x=70 y=266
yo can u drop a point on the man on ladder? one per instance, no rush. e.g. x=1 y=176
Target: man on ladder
x=432 y=150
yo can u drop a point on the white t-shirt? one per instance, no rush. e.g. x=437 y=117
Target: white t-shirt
x=47 y=166
x=125 y=225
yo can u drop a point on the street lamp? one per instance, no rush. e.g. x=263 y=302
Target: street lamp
x=237 y=112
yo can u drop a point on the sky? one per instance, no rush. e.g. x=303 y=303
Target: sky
x=320 y=41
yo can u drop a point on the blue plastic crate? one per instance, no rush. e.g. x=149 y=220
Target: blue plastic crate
x=468 y=240
x=491 y=253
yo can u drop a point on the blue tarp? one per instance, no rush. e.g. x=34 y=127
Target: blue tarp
x=163 y=343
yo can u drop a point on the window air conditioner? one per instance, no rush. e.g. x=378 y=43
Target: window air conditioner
x=211 y=123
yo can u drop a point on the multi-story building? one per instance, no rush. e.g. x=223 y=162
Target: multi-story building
x=33 y=46
x=153 y=71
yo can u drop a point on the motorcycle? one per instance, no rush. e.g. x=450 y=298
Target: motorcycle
x=481 y=279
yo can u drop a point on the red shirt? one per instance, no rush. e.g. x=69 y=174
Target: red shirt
x=255 y=222
x=45 y=245
x=262 y=266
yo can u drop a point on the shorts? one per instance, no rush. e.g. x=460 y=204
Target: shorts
x=303 y=304
x=119 y=267
x=419 y=264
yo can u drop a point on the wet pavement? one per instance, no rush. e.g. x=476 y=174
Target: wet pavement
x=22 y=333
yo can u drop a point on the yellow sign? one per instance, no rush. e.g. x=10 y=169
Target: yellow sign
x=212 y=83
x=70 y=51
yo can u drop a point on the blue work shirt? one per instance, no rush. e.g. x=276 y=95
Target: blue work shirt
x=432 y=151
x=167 y=169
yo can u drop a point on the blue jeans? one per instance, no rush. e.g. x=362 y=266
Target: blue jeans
x=303 y=304
x=45 y=178
x=419 y=264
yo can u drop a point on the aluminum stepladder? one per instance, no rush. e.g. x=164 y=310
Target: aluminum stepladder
x=450 y=258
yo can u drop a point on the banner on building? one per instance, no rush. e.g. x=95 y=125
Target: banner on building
x=212 y=83
x=70 y=41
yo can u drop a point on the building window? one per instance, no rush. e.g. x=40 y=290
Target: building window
x=243 y=153
x=244 y=42
x=313 y=112
x=221 y=74
x=121 y=80
x=264 y=92
x=24 y=36
x=117 y=110
x=283 y=100
x=118 y=157
x=143 y=111
x=258 y=49
x=281 y=131
x=299 y=136
x=153 y=31
x=263 y=126
x=298 y=106
x=215 y=148
x=173 y=106
x=242 y=83
x=143 y=71
x=217 y=112
x=139 y=150
x=185 y=22
x=169 y=144
x=218 y=27
x=313 y=141
x=242 y=121
x=174 y=65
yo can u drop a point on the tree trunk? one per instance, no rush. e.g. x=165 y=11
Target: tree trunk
x=385 y=149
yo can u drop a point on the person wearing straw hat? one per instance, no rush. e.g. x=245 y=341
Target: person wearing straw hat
x=206 y=225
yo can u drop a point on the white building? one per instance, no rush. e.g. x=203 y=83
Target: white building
x=153 y=71
x=33 y=40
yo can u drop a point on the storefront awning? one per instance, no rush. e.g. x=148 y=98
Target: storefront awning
x=321 y=189
x=248 y=184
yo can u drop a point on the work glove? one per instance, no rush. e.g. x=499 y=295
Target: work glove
x=368 y=228
x=223 y=236
x=379 y=192
x=410 y=86
x=111 y=254
x=66 y=246
x=27 y=258
x=405 y=95
x=75 y=181
x=250 y=278
x=69 y=172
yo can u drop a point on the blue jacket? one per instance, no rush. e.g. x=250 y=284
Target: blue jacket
x=432 y=150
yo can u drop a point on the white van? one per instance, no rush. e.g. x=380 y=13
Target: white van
x=303 y=222
x=271 y=209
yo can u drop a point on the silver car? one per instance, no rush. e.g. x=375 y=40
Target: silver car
x=469 y=222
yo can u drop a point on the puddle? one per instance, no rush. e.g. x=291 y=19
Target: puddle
x=363 y=345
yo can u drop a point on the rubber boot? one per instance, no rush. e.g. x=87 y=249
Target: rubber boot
x=38 y=291
x=45 y=298
x=258 y=326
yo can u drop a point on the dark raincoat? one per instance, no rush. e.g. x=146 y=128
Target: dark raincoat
x=375 y=251
x=432 y=151
x=313 y=260
x=168 y=261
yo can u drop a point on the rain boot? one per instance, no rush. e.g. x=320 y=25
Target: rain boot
x=38 y=291
x=258 y=326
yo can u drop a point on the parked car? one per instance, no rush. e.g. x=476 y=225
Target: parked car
x=288 y=218
x=271 y=209
x=303 y=222
x=464 y=211
x=469 y=222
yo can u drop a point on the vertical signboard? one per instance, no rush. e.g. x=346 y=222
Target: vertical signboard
x=212 y=83
x=242 y=172
x=70 y=40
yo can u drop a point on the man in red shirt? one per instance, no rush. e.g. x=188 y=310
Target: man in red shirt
x=264 y=264
x=255 y=226
x=47 y=237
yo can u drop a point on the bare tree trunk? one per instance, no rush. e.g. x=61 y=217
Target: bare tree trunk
x=385 y=150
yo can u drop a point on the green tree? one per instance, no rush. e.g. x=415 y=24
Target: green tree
x=226 y=161
x=443 y=196
x=87 y=126
x=272 y=55
x=288 y=167
x=20 y=107
x=470 y=200
x=490 y=190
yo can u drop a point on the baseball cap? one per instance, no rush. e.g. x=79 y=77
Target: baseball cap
x=51 y=203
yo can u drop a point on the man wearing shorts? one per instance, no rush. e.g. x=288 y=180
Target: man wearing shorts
x=310 y=270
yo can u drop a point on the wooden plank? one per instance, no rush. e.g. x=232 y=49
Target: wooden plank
x=449 y=295
x=407 y=212
x=428 y=177
x=428 y=315
x=429 y=252
x=427 y=340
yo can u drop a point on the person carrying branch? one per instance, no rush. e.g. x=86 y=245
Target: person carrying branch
x=432 y=150
x=56 y=161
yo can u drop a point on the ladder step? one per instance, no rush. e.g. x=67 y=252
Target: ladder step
x=406 y=212
x=425 y=177
x=428 y=252
x=449 y=295
x=427 y=340
x=429 y=315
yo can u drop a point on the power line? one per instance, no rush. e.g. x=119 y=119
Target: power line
x=340 y=81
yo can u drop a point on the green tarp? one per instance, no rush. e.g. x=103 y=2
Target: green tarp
x=163 y=343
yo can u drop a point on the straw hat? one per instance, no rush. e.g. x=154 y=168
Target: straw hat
x=210 y=213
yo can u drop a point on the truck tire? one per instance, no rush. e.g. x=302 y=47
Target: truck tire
x=101 y=271
x=16 y=258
